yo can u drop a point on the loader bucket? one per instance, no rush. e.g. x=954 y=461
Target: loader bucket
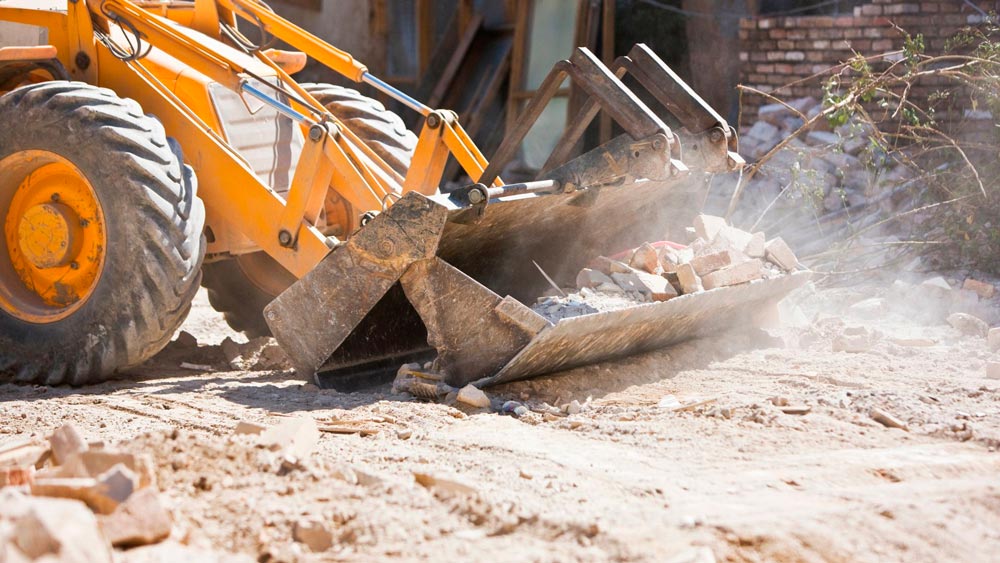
x=457 y=272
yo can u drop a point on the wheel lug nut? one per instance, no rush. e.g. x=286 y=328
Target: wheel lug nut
x=74 y=265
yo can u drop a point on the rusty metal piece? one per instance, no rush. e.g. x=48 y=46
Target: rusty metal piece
x=314 y=316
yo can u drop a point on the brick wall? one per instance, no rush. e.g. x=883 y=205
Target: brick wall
x=777 y=52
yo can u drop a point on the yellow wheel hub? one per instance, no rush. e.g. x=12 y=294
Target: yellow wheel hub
x=54 y=235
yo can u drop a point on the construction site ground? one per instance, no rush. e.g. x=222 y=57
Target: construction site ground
x=629 y=478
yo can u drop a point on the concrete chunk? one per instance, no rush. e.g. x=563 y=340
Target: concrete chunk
x=708 y=263
x=294 y=438
x=18 y=453
x=734 y=275
x=65 y=441
x=779 y=254
x=141 y=520
x=628 y=282
x=993 y=339
x=607 y=266
x=708 y=226
x=689 y=280
x=102 y=498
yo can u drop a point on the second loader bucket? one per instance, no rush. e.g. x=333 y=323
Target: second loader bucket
x=454 y=272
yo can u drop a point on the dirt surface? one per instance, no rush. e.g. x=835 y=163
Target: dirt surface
x=629 y=478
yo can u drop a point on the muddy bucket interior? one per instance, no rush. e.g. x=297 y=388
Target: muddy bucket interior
x=423 y=279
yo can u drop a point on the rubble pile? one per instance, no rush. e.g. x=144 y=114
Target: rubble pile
x=720 y=256
x=74 y=500
x=830 y=175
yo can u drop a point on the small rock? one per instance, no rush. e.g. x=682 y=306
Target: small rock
x=404 y=433
x=968 y=325
x=185 y=340
x=525 y=474
x=295 y=438
x=140 y=520
x=983 y=289
x=231 y=351
x=694 y=555
x=913 y=342
x=473 y=396
x=573 y=407
x=314 y=533
x=65 y=441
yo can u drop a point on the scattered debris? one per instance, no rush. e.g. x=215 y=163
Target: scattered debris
x=855 y=340
x=195 y=367
x=314 y=533
x=993 y=370
x=293 y=440
x=443 y=485
x=886 y=419
x=244 y=427
x=259 y=354
x=968 y=325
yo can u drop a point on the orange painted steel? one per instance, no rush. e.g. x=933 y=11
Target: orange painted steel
x=55 y=238
x=337 y=172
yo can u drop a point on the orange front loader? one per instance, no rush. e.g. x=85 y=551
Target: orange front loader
x=149 y=147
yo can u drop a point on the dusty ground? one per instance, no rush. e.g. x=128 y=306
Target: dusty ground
x=624 y=480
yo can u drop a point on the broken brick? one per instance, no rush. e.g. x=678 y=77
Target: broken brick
x=608 y=266
x=591 y=278
x=711 y=262
x=734 y=275
x=656 y=287
x=60 y=530
x=779 y=254
x=17 y=476
x=983 y=289
x=690 y=281
x=140 y=520
x=90 y=491
x=646 y=259
x=756 y=248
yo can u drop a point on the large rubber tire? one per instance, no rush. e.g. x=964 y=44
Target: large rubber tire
x=231 y=290
x=153 y=222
